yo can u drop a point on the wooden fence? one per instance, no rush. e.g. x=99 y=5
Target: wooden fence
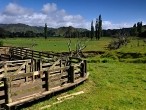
x=36 y=75
x=24 y=53
x=15 y=67
x=18 y=90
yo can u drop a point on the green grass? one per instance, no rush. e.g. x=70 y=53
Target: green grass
x=111 y=86
x=55 y=44
x=60 y=44
x=134 y=46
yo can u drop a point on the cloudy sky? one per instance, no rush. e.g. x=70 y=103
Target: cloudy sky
x=77 y=13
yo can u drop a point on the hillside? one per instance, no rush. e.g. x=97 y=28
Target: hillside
x=21 y=28
x=24 y=28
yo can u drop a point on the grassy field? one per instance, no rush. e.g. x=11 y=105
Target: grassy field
x=60 y=44
x=113 y=84
x=55 y=44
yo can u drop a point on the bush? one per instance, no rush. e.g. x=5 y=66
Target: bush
x=1 y=43
x=137 y=60
x=110 y=55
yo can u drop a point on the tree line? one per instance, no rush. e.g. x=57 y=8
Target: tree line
x=96 y=31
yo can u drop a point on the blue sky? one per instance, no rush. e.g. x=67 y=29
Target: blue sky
x=77 y=13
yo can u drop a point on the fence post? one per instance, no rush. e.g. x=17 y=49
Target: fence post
x=11 y=51
x=33 y=65
x=39 y=67
x=7 y=85
x=83 y=68
x=71 y=74
x=21 y=53
x=26 y=54
x=32 y=54
x=27 y=69
x=40 y=55
x=47 y=80
x=5 y=68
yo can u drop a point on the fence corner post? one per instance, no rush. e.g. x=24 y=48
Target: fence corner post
x=47 y=80
x=83 y=68
x=71 y=74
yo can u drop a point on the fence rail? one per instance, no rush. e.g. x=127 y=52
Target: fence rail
x=27 y=53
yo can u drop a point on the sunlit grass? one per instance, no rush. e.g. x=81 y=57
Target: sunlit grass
x=111 y=86
x=56 y=44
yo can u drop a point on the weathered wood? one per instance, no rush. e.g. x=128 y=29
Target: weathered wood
x=19 y=76
x=54 y=83
x=82 y=69
x=7 y=85
x=14 y=68
x=18 y=61
x=42 y=94
x=64 y=74
x=27 y=69
x=47 y=80
x=2 y=97
x=19 y=69
x=58 y=69
x=56 y=75
x=5 y=68
x=85 y=66
x=76 y=71
x=55 y=63
x=47 y=64
x=18 y=93
x=1 y=70
x=2 y=88
x=71 y=74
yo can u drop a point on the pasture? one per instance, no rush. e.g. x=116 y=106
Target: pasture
x=114 y=83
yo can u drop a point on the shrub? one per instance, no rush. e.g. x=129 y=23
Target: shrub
x=1 y=43
x=110 y=55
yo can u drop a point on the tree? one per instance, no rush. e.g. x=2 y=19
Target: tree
x=96 y=27
x=139 y=28
x=92 y=30
x=99 y=27
x=45 y=31
x=134 y=30
x=80 y=45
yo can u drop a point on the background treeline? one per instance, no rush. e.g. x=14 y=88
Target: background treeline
x=23 y=30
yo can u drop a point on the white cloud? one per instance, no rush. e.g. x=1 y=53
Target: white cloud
x=50 y=14
x=110 y=25
x=49 y=8
x=14 y=9
x=144 y=22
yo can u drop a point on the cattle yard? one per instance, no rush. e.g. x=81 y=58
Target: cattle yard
x=27 y=75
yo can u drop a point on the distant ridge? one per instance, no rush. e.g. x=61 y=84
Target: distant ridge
x=19 y=27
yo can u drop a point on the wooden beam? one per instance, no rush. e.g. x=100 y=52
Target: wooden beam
x=42 y=94
x=71 y=74
x=7 y=85
x=47 y=80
